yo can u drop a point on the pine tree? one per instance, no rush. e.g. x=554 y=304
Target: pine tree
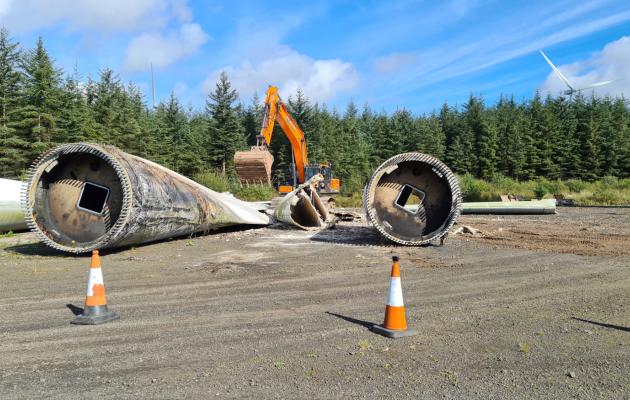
x=74 y=113
x=41 y=100
x=509 y=123
x=586 y=135
x=621 y=128
x=302 y=112
x=177 y=131
x=103 y=96
x=543 y=135
x=353 y=165
x=13 y=147
x=611 y=127
x=226 y=134
x=430 y=136
x=251 y=119
x=485 y=139
x=459 y=155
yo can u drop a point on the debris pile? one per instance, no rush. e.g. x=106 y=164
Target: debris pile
x=304 y=208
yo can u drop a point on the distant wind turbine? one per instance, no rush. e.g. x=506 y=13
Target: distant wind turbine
x=572 y=89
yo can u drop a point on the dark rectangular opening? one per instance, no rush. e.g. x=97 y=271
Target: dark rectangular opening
x=411 y=196
x=93 y=198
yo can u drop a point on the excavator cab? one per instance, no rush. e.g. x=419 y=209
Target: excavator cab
x=329 y=185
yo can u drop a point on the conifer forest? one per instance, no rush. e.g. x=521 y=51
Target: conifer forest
x=583 y=137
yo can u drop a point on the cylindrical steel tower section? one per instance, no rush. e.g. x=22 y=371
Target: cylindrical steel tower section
x=412 y=199
x=83 y=196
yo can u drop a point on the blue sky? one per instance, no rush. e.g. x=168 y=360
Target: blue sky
x=394 y=54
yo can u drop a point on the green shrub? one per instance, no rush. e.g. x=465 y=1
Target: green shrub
x=257 y=192
x=213 y=180
x=541 y=190
x=576 y=185
x=607 y=197
x=476 y=190
x=352 y=185
x=353 y=200
x=505 y=184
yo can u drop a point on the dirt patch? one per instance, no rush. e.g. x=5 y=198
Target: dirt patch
x=584 y=231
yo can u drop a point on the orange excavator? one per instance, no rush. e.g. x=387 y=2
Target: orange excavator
x=254 y=166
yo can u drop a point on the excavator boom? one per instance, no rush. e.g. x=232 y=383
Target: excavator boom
x=255 y=165
x=251 y=166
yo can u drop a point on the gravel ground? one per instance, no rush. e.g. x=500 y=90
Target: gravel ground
x=529 y=307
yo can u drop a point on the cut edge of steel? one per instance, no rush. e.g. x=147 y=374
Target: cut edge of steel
x=390 y=165
x=49 y=160
x=304 y=208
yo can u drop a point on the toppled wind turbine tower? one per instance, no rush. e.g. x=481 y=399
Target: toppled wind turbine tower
x=412 y=199
x=84 y=196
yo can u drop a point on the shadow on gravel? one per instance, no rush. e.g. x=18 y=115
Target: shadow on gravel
x=365 y=324
x=354 y=235
x=620 y=328
x=75 y=310
x=40 y=249
x=35 y=249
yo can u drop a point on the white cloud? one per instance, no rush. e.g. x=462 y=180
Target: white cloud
x=394 y=62
x=254 y=57
x=30 y=15
x=609 y=64
x=320 y=80
x=163 y=50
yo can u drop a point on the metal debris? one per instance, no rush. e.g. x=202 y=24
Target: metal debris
x=412 y=199
x=346 y=215
x=469 y=230
x=304 y=208
x=83 y=196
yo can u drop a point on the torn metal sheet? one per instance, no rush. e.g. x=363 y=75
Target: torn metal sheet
x=304 y=208
x=83 y=196
x=11 y=214
x=412 y=199
x=545 y=206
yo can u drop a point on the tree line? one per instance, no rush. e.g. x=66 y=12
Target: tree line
x=557 y=138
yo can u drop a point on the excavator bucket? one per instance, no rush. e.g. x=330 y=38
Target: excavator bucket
x=254 y=166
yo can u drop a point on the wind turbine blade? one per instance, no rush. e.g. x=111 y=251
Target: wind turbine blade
x=598 y=84
x=557 y=71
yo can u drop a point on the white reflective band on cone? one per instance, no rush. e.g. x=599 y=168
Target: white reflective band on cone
x=394 y=296
x=96 y=278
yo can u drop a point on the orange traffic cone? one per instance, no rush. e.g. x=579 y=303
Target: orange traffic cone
x=395 y=325
x=95 y=311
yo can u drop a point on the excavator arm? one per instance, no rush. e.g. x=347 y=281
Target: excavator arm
x=276 y=111
x=254 y=166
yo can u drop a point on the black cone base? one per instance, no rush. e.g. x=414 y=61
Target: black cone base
x=391 y=333
x=95 y=316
